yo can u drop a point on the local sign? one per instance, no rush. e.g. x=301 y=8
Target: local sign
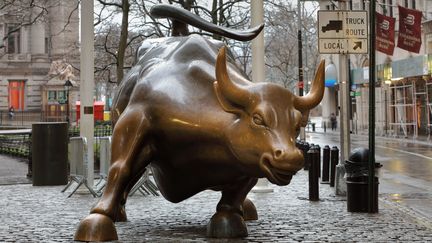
x=343 y=32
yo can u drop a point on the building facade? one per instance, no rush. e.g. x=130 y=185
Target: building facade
x=403 y=80
x=35 y=39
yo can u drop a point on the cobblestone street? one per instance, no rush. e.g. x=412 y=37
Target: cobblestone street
x=44 y=214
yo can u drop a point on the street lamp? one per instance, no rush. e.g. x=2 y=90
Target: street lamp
x=68 y=84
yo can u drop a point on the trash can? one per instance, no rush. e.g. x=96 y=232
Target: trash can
x=50 y=153
x=357 y=179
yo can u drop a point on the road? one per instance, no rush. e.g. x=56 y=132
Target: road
x=406 y=175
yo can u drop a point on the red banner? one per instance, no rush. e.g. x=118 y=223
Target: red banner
x=385 y=34
x=409 y=29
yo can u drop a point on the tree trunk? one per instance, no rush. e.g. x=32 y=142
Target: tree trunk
x=123 y=40
x=179 y=28
x=215 y=18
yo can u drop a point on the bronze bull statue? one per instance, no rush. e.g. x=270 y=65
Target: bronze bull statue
x=190 y=112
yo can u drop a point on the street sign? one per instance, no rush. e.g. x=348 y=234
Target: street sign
x=355 y=93
x=343 y=32
x=342 y=46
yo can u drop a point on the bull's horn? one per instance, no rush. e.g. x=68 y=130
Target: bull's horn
x=316 y=93
x=230 y=90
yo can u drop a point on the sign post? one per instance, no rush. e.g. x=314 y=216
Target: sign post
x=343 y=32
x=372 y=208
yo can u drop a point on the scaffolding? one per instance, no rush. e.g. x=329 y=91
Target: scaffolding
x=411 y=108
x=429 y=107
x=403 y=108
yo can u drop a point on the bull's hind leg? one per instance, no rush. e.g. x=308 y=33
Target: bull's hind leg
x=131 y=153
x=228 y=220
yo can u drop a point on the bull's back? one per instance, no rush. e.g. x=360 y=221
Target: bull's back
x=180 y=67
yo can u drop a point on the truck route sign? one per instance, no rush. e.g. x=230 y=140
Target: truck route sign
x=343 y=32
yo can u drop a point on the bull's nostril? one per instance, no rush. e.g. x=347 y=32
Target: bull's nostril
x=278 y=153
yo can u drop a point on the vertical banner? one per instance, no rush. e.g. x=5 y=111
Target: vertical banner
x=409 y=29
x=385 y=34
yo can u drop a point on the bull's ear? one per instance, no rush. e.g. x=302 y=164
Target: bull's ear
x=224 y=103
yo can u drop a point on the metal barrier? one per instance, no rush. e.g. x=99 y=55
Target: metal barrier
x=144 y=185
x=78 y=161
x=105 y=158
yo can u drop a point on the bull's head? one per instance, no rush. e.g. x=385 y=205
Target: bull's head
x=269 y=118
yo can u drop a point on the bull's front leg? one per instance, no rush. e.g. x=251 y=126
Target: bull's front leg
x=228 y=221
x=131 y=153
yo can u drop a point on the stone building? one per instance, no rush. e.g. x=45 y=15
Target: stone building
x=404 y=85
x=39 y=43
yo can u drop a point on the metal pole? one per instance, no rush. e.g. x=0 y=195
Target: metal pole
x=372 y=208
x=258 y=67
x=300 y=62
x=345 y=139
x=67 y=105
x=87 y=82
x=300 y=50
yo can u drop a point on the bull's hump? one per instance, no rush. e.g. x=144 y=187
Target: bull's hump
x=196 y=47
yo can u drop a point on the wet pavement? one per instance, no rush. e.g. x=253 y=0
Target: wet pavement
x=44 y=214
x=406 y=175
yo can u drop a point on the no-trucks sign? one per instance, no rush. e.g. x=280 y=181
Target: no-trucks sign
x=342 y=32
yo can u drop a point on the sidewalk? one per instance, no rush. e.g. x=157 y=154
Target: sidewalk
x=421 y=139
x=44 y=214
x=13 y=170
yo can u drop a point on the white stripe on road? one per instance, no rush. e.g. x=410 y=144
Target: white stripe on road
x=402 y=151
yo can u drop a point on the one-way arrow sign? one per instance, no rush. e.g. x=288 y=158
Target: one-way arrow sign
x=342 y=46
x=357 y=44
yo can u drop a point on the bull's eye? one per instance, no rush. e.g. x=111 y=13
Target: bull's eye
x=258 y=120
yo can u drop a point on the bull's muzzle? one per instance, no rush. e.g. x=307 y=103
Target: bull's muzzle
x=281 y=165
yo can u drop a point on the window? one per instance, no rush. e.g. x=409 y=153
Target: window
x=406 y=4
x=61 y=97
x=413 y=4
x=383 y=6
x=13 y=39
x=16 y=94
x=390 y=8
x=52 y=95
x=57 y=96
x=350 y=5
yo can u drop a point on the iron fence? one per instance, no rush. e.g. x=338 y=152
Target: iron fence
x=27 y=118
x=19 y=145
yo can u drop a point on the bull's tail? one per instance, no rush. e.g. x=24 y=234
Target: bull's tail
x=186 y=17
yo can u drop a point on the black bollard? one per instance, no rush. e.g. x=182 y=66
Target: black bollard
x=318 y=148
x=334 y=160
x=306 y=147
x=326 y=164
x=313 y=174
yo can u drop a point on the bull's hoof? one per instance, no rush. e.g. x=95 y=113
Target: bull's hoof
x=226 y=225
x=96 y=227
x=249 y=210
